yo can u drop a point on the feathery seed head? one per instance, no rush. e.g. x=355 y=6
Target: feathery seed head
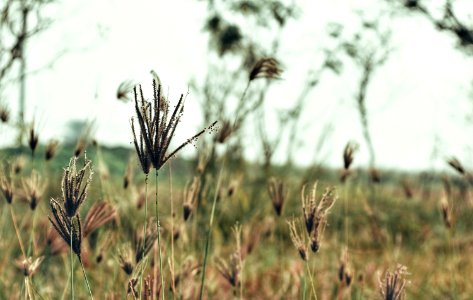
x=393 y=284
x=75 y=185
x=27 y=266
x=266 y=68
x=278 y=193
x=68 y=227
x=51 y=149
x=297 y=240
x=33 y=189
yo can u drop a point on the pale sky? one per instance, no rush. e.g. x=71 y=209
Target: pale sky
x=423 y=90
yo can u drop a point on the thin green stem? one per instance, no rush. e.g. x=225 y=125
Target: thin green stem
x=173 y=286
x=32 y=243
x=72 y=266
x=86 y=280
x=209 y=232
x=13 y=218
x=311 y=280
x=144 y=228
x=158 y=226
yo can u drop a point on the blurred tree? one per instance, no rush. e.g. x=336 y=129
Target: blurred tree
x=369 y=49
x=19 y=21
x=445 y=16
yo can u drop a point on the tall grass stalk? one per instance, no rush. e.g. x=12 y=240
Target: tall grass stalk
x=72 y=266
x=209 y=232
x=86 y=280
x=158 y=226
x=173 y=286
x=311 y=279
x=13 y=218
x=144 y=227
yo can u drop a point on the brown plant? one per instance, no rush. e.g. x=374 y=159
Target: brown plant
x=191 y=193
x=266 y=68
x=157 y=127
x=393 y=285
x=278 y=193
x=99 y=214
x=315 y=214
x=33 y=189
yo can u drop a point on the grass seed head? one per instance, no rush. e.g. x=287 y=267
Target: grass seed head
x=392 y=286
x=266 y=68
x=51 y=149
x=6 y=184
x=75 y=185
x=298 y=240
x=33 y=189
x=278 y=194
x=69 y=228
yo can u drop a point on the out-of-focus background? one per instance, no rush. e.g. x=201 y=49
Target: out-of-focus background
x=416 y=100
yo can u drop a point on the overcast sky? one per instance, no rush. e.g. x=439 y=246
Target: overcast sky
x=420 y=94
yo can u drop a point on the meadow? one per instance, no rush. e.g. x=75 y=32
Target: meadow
x=89 y=221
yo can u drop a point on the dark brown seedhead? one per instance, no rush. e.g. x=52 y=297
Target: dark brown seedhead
x=33 y=138
x=315 y=215
x=33 y=189
x=348 y=154
x=124 y=91
x=392 y=286
x=75 y=184
x=278 y=193
x=298 y=240
x=190 y=197
x=69 y=228
x=51 y=149
x=456 y=165
x=142 y=250
x=28 y=266
x=98 y=215
x=6 y=184
x=157 y=126
x=266 y=68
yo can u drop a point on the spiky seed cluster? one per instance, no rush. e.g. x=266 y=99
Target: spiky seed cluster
x=125 y=259
x=51 y=149
x=315 y=214
x=128 y=177
x=69 y=228
x=124 y=90
x=266 y=68
x=75 y=185
x=190 y=197
x=230 y=270
x=298 y=240
x=224 y=132
x=66 y=220
x=28 y=266
x=456 y=165
x=33 y=138
x=278 y=193
x=157 y=128
x=33 y=189
x=345 y=275
x=142 y=250
x=99 y=214
x=393 y=285
x=6 y=185
x=348 y=156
